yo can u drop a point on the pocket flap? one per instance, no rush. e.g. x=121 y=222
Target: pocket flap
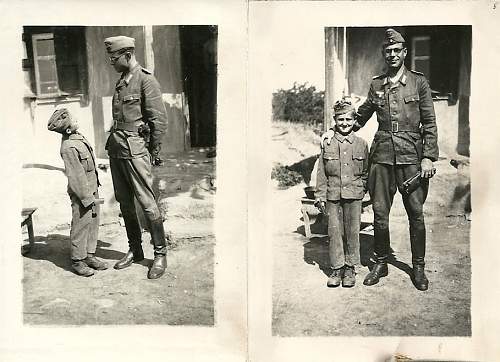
x=358 y=155
x=330 y=156
x=131 y=97
x=412 y=98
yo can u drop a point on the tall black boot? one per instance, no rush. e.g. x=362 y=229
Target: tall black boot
x=135 y=252
x=381 y=250
x=418 y=241
x=160 y=249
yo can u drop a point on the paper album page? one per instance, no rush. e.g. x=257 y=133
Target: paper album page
x=125 y=164
x=380 y=244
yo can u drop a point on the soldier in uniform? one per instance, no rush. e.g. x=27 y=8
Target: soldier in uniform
x=133 y=147
x=405 y=143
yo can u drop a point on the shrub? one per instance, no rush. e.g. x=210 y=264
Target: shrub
x=301 y=103
x=285 y=176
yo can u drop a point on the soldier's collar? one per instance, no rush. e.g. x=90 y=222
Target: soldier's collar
x=128 y=76
x=342 y=138
x=402 y=77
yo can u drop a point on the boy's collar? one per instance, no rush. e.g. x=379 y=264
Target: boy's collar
x=75 y=136
x=341 y=138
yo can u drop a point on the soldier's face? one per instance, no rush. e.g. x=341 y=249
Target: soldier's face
x=344 y=123
x=119 y=62
x=394 y=55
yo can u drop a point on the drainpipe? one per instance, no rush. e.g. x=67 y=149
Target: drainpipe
x=335 y=69
x=148 y=48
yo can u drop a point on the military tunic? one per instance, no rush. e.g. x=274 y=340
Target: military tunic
x=137 y=102
x=407 y=129
x=83 y=181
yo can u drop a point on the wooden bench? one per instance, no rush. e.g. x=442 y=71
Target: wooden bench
x=27 y=219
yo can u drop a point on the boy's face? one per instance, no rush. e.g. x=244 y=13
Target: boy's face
x=344 y=123
x=73 y=126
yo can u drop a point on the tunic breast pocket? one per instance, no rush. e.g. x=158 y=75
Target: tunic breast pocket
x=86 y=161
x=411 y=106
x=331 y=162
x=358 y=160
x=132 y=107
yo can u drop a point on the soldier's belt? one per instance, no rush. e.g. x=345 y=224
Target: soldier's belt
x=398 y=127
x=127 y=126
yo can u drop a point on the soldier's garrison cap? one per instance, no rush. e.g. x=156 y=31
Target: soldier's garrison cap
x=59 y=121
x=343 y=105
x=116 y=43
x=392 y=37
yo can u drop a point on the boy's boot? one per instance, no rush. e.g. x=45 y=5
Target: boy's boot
x=335 y=278
x=160 y=249
x=95 y=263
x=80 y=268
x=135 y=252
x=417 y=240
x=381 y=249
x=349 y=278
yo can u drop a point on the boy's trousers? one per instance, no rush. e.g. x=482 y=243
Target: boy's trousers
x=84 y=228
x=344 y=220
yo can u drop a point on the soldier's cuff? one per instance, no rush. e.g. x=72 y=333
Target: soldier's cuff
x=433 y=158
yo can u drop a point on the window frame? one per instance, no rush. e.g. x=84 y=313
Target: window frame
x=414 y=57
x=34 y=39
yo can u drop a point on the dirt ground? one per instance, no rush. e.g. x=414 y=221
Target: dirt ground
x=304 y=306
x=54 y=295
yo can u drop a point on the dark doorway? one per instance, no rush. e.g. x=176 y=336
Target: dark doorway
x=199 y=70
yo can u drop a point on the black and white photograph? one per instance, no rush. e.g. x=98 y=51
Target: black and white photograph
x=373 y=173
x=248 y=180
x=119 y=174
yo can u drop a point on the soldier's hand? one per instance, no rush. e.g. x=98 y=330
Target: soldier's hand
x=427 y=167
x=327 y=137
x=156 y=160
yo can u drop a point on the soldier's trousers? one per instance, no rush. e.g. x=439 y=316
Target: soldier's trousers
x=84 y=228
x=134 y=178
x=344 y=220
x=383 y=181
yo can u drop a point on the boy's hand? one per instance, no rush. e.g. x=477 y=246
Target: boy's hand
x=321 y=205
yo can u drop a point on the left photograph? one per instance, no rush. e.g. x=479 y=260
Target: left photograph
x=119 y=174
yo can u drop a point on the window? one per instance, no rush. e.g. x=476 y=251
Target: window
x=420 y=54
x=55 y=62
x=44 y=57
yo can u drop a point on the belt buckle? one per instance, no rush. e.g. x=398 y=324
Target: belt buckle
x=395 y=126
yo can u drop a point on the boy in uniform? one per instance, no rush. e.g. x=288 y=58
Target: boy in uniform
x=341 y=184
x=83 y=182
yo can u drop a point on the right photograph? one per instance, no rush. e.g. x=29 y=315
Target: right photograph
x=371 y=175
